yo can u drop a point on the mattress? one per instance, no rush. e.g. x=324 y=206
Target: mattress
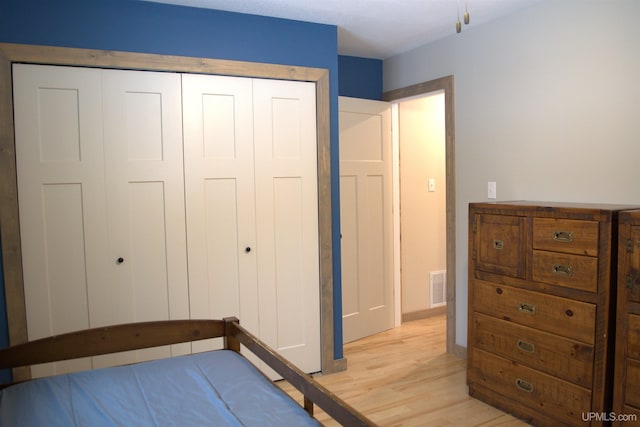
x=218 y=388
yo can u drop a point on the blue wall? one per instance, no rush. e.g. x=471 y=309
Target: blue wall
x=360 y=77
x=138 y=26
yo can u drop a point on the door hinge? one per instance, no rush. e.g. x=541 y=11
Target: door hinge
x=473 y=254
x=474 y=228
x=629 y=245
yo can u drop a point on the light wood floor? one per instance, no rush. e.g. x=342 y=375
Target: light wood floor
x=404 y=377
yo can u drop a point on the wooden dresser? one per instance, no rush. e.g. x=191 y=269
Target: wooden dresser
x=541 y=307
x=626 y=392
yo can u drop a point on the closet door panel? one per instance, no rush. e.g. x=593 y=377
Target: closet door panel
x=287 y=224
x=58 y=133
x=219 y=165
x=289 y=263
x=148 y=247
x=145 y=190
x=221 y=207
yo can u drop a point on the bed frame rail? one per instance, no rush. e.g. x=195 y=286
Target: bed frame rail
x=135 y=336
x=312 y=391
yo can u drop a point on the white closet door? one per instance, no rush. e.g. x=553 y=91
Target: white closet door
x=219 y=175
x=103 y=186
x=60 y=171
x=287 y=219
x=148 y=277
x=99 y=160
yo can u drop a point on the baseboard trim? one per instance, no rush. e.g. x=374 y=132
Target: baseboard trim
x=424 y=314
x=459 y=351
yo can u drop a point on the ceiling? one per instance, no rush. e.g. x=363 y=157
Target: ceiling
x=374 y=28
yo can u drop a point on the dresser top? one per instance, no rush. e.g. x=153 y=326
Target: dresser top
x=541 y=205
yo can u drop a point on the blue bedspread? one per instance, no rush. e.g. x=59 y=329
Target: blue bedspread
x=218 y=388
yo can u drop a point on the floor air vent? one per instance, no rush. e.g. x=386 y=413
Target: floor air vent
x=438 y=283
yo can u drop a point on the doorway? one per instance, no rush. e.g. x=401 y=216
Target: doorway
x=420 y=142
x=446 y=85
x=375 y=120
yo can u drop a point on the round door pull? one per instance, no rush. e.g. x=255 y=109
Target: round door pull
x=120 y=260
x=247 y=249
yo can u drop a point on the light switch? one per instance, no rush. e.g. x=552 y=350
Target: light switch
x=491 y=190
x=432 y=184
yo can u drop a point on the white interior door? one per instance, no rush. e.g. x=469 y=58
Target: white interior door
x=287 y=219
x=145 y=202
x=220 y=196
x=366 y=217
x=60 y=171
x=252 y=225
x=99 y=163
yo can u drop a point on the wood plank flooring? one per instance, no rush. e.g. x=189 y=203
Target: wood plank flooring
x=404 y=377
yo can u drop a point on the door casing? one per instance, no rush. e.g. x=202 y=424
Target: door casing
x=445 y=84
x=9 y=218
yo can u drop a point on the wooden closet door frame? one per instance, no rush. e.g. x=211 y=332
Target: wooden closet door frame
x=9 y=218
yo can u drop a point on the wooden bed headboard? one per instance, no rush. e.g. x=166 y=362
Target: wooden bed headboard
x=111 y=339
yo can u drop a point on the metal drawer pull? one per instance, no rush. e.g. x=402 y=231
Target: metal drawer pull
x=631 y=280
x=524 y=385
x=563 y=236
x=562 y=270
x=527 y=308
x=526 y=346
x=498 y=244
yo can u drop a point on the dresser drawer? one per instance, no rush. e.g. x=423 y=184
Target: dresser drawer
x=631 y=272
x=500 y=244
x=552 y=354
x=558 y=399
x=565 y=235
x=633 y=337
x=558 y=315
x=632 y=393
x=571 y=271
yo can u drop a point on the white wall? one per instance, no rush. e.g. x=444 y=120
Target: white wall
x=547 y=103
